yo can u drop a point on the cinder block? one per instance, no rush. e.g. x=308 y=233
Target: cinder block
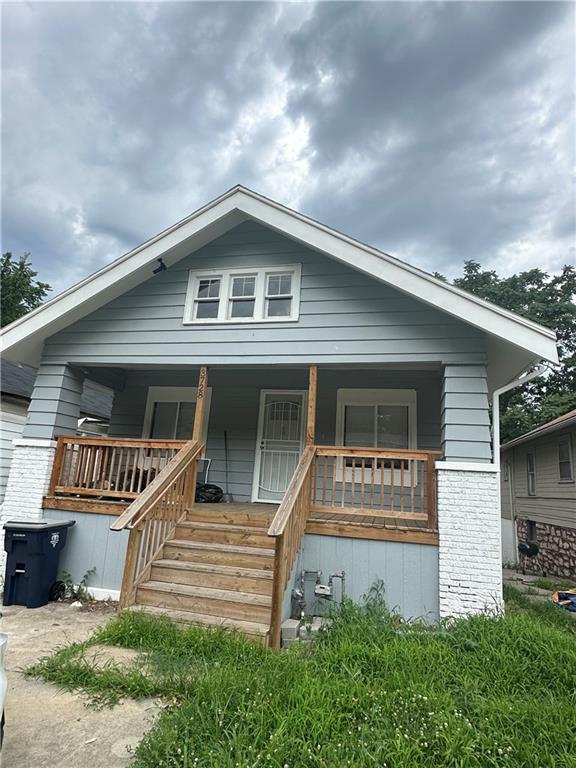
x=289 y=630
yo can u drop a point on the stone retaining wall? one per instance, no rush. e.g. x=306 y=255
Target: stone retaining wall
x=557 y=555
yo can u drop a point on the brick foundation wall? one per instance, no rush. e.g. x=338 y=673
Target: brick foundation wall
x=557 y=555
x=470 y=560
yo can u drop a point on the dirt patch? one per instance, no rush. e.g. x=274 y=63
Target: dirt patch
x=101 y=656
x=48 y=728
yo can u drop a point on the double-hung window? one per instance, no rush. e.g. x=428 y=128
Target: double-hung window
x=531 y=474
x=565 y=460
x=377 y=418
x=257 y=295
x=169 y=413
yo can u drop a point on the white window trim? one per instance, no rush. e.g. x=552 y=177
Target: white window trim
x=406 y=397
x=566 y=439
x=226 y=276
x=530 y=493
x=174 y=395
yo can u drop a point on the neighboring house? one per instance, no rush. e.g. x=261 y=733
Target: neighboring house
x=16 y=387
x=539 y=497
x=341 y=396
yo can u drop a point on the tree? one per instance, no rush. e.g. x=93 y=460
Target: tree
x=20 y=292
x=547 y=300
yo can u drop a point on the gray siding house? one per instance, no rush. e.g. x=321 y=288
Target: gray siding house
x=341 y=398
x=539 y=497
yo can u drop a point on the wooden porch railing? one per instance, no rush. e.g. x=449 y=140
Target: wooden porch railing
x=287 y=529
x=375 y=483
x=153 y=516
x=108 y=467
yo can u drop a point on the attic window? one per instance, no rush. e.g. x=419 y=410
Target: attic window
x=256 y=295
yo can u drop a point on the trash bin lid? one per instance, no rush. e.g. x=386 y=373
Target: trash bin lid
x=40 y=525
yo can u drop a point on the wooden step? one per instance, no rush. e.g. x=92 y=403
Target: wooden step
x=221 y=533
x=253 y=630
x=219 y=554
x=225 y=516
x=210 y=575
x=227 y=604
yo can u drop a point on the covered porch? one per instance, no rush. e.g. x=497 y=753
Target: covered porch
x=307 y=456
x=376 y=433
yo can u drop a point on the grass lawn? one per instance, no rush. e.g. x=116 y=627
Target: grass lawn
x=373 y=691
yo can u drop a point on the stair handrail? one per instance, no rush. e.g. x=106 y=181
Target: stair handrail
x=137 y=510
x=287 y=529
x=152 y=518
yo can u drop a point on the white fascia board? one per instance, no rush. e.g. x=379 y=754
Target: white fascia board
x=120 y=275
x=426 y=288
x=194 y=231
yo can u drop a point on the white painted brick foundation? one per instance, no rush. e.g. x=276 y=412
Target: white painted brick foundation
x=28 y=481
x=469 y=557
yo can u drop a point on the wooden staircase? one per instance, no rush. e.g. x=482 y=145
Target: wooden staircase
x=216 y=569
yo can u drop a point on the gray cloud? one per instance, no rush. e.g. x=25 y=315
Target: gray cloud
x=439 y=132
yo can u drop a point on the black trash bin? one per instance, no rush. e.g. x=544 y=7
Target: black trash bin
x=32 y=564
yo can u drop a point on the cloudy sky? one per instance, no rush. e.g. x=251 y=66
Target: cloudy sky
x=436 y=131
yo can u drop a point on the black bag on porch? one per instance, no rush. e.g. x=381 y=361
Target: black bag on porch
x=208 y=494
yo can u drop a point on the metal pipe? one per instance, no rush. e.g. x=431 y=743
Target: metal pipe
x=518 y=382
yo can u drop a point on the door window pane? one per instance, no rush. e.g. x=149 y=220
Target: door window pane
x=163 y=421
x=185 y=422
x=392 y=426
x=359 y=425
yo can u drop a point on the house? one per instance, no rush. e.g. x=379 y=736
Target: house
x=341 y=397
x=539 y=497
x=16 y=386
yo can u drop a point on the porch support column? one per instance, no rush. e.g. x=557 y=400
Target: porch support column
x=469 y=557
x=54 y=409
x=312 y=389
x=200 y=404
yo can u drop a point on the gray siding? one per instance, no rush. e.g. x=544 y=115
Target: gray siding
x=55 y=405
x=235 y=403
x=91 y=544
x=409 y=571
x=11 y=426
x=344 y=316
x=555 y=501
x=465 y=414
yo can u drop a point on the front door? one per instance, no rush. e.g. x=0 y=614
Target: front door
x=281 y=425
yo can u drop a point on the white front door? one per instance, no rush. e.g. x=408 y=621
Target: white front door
x=281 y=427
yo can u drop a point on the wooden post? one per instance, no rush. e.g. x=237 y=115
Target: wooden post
x=57 y=467
x=200 y=404
x=312 y=388
x=127 y=595
x=432 y=513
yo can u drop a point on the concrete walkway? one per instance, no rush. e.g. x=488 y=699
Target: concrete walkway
x=48 y=728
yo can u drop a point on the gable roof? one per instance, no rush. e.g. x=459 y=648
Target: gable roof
x=23 y=339
x=562 y=422
x=18 y=381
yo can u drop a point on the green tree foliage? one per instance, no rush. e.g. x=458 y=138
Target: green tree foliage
x=547 y=300
x=20 y=292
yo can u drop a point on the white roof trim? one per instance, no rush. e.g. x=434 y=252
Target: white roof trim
x=228 y=210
